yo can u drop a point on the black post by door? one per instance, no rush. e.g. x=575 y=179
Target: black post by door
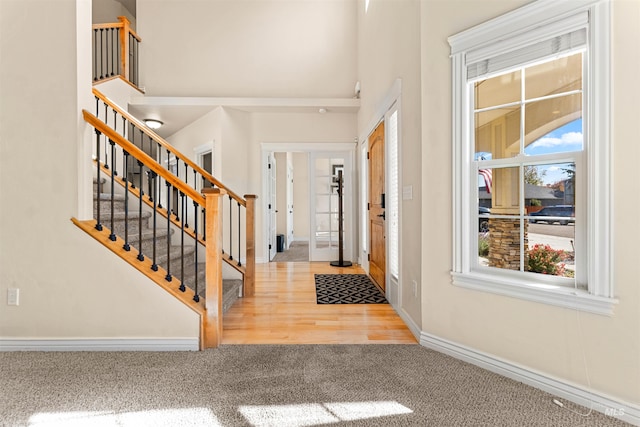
x=341 y=262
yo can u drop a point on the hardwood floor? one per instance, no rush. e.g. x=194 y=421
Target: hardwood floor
x=284 y=311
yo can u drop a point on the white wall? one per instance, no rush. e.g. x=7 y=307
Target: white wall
x=389 y=49
x=540 y=337
x=70 y=286
x=254 y=48
x=301 y=196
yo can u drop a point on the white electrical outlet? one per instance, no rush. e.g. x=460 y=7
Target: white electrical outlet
x=414 y=286
x=13 y=296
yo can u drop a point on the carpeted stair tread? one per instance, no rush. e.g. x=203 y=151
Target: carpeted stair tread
x=231 y=287
x=176 y=254
x=107 y=197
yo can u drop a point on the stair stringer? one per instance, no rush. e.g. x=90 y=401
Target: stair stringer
x=158 y=277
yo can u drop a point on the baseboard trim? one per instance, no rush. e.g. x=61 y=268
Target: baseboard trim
x=572 y=392
x=99 y=344
x=413 y=327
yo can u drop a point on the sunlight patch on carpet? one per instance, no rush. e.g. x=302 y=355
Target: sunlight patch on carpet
x=196 y=417
x=310 y=414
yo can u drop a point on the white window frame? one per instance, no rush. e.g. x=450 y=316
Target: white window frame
x=522 y=27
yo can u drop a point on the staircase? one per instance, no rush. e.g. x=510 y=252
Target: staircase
x=158 y=210
x=181 y=248
x=182 y=260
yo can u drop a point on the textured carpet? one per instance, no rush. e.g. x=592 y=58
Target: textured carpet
x=342 y=385
x=347 y=289
x=297 y=252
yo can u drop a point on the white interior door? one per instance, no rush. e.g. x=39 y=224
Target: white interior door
x=272 y=247
x=289 y=201
x=323 y=188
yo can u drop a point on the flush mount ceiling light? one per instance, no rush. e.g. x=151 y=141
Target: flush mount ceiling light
x=153 y=123
x=322 y=110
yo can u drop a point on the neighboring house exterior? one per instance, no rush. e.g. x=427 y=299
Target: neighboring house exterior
x=74 y=292
x=547 y=196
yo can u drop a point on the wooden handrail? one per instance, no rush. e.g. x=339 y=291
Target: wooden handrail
x=158 y=139
x=116 y=25
x=143 y=157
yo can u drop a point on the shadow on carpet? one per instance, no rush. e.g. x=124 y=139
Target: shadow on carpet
x=347 y=289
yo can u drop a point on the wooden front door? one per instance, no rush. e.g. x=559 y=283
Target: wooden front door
x=377 y=229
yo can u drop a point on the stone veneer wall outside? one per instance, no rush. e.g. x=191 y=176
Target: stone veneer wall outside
x=504 y=243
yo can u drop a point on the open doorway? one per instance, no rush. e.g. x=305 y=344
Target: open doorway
x=291 y=207
x=314 y=205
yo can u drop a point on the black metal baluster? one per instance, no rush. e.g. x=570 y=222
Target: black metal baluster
x=154 y=175
x=183 y=212
x=98 y=224
x=239 y=231
x=101 y=55
x=97 y=107
x=106 y=112
x=112 y=236
x=140 y=194
x=204 y=225
x=124 y=177
x=160 y=162
x=107 y=37
x=137 y=66
x=141 y=139
x=114 y=163
x=132 y=58
x=114 y=47
x=133 y=141
x=168 y=277
x=125 y=160
x=95 y=54
x=130 y=55
x=118 y=51
x=230 y=229
x=196 y=297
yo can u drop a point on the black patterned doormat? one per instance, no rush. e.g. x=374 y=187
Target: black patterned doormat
x=347 y=289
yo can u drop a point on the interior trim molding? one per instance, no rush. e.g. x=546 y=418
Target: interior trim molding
x=408 y=320
x=575 y=393
x=99 y=344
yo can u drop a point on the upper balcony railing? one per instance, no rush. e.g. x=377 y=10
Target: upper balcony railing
x=115 y=52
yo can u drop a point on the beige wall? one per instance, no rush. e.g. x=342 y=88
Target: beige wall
x=240 y=137
x=540 y=337
x=61 y=272
x=203 y=131
x=255 y=48
x=389 y=49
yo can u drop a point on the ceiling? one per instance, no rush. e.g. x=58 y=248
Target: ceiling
x=178 y=112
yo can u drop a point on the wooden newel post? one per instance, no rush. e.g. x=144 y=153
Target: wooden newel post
x=250 y=264
x=212 y=331
x=124 y=47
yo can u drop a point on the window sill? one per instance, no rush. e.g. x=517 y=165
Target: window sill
x=559 y=296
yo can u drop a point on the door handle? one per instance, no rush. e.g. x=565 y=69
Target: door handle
x=382 y=200
x=382 y=215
